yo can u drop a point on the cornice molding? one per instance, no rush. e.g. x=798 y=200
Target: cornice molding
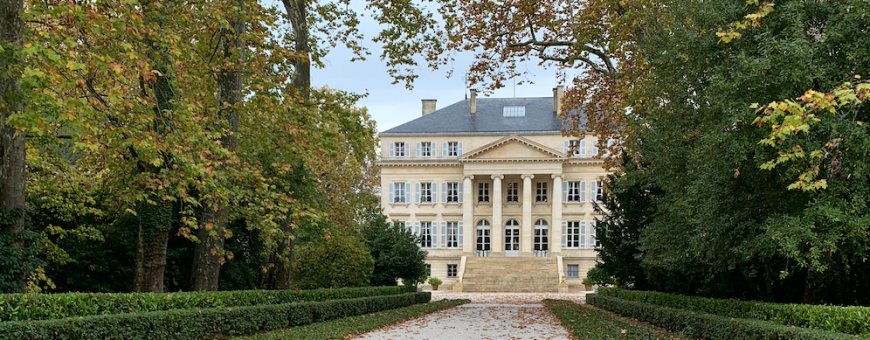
x=418 y=163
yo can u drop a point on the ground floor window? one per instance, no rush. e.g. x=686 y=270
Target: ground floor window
x=482 y=243
x=428 y=270
x=451 y=270
x=573 y=271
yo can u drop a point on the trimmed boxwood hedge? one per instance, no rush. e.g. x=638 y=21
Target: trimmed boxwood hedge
x=593 y=324
x=342 y=328
x=850 y=320
x=20 y=307
x=708 y=326
x=190 y=324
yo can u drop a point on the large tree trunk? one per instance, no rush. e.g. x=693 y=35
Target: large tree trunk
x=12 y=149
x=207 y=256
x=281 y=263
x=297 y=13
x=155 y=221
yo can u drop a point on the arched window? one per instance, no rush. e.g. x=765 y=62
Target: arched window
x=482 y=239
x=541 y=238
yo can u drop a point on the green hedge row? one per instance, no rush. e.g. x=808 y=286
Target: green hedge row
x=708 y=326
x=343 y=328
x=191 y=324
x=850 y=320
x=593 y=324
x=20 y=307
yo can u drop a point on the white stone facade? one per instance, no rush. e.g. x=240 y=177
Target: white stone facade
x=510 y=194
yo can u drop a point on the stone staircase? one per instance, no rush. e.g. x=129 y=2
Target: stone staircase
x=511 y=274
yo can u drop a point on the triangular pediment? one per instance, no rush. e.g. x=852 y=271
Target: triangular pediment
x=513 y=147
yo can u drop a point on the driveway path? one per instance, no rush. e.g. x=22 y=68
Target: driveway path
x=488 y=316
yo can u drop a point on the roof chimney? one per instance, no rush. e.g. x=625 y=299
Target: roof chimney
x=429 y=106
x=558 y=92
x=473 y=101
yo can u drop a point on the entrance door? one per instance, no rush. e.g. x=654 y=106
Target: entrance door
x=482 y=241
x=541 y=239
x=512 y=238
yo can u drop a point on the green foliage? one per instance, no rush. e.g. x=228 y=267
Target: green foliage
x=332 y=262
x=342 y=328
x=16 y=259
x=54 y=306
x=396 y=253
x=721 y=226
x=627 y=208
x=593 y=324
x=597 y=275
x=850 y=320
x=708 y=326
x=203 y=323
x=435 y=281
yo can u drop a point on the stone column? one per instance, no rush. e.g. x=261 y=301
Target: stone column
x=468 y=216
x=526 y=228
x=556 y=219
x=497 y=227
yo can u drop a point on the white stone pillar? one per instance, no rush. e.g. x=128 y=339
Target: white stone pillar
x=468 y=216
x=497 y=228
x=526 y=228
x=556 y=219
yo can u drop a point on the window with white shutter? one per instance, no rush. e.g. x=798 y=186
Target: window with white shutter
x=398 y=192
x=452 y=190
x=593 y=242
x=571 y=234
x=398 y=149
x=573 y=192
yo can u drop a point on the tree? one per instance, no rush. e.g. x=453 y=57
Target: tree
x=332 y=262
x=628 y=207
x=726 y=222
x=208 y=256
x=12 y=145
x=396 y=252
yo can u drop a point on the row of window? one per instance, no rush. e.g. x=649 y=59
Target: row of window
x=575 y=234
x=426 y=149
x=450 y=236
x=454 y=149
x=453 y=269
x=452 y=192
x=579 y=147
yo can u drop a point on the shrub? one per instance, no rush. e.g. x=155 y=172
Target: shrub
x=435 y=281
x=593 y=324
x=708 y=326
x=202 y=323
x=55 y=306
x=598 y=276
x=332 y=262
x=850 y=320
x=396 y=252
x=343 y=328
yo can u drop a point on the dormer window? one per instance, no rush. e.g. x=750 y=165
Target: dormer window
x=514 y=111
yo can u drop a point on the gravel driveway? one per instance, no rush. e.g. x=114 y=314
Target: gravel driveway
x=488 y=316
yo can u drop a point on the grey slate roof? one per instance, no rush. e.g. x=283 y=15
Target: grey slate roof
x=457 y=118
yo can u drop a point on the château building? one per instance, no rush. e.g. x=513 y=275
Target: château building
x=490 y=186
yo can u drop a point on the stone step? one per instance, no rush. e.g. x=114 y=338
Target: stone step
x=470 y=287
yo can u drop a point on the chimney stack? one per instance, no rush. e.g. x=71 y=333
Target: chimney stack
x=429 y=106
x=473 y=101
x=558 y=92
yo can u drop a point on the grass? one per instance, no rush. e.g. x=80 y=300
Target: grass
x=341 y=328
x=587 y=323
